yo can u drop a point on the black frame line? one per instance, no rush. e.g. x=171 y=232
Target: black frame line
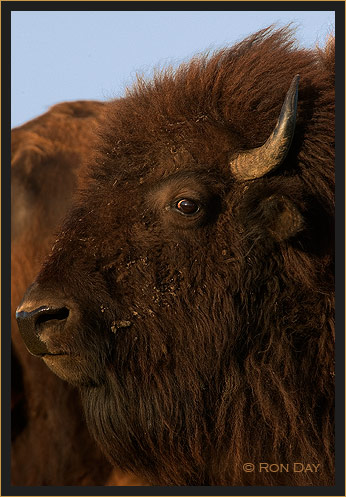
x=6 y=8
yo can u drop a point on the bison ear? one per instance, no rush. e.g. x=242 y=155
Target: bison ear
x=283 y=218
x=272 y=216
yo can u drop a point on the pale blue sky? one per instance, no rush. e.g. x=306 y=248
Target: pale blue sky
x=58 y=56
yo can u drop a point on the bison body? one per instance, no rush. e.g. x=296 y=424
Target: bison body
x=193 y=308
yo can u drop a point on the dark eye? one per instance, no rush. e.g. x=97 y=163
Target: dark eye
x=187 y=206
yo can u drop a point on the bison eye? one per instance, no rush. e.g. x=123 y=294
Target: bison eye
x=187 y=206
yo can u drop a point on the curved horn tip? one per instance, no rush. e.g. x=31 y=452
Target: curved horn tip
x=296 y=79
x=295 y=83
x=291 y=98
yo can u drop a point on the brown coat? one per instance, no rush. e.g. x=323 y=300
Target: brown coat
x=194 y=310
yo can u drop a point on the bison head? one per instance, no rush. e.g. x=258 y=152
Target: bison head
x=188 y=293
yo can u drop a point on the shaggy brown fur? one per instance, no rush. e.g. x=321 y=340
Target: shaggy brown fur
x=204 y=342
x=48 y=156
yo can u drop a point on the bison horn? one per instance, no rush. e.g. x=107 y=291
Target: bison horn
x=259 y=161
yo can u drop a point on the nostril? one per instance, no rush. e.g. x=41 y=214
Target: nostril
x=51 y=315
x=39 y=324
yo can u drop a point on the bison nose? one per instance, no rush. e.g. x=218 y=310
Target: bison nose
x=37 y=323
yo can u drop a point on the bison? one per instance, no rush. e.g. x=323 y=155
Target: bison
x=189 y=292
